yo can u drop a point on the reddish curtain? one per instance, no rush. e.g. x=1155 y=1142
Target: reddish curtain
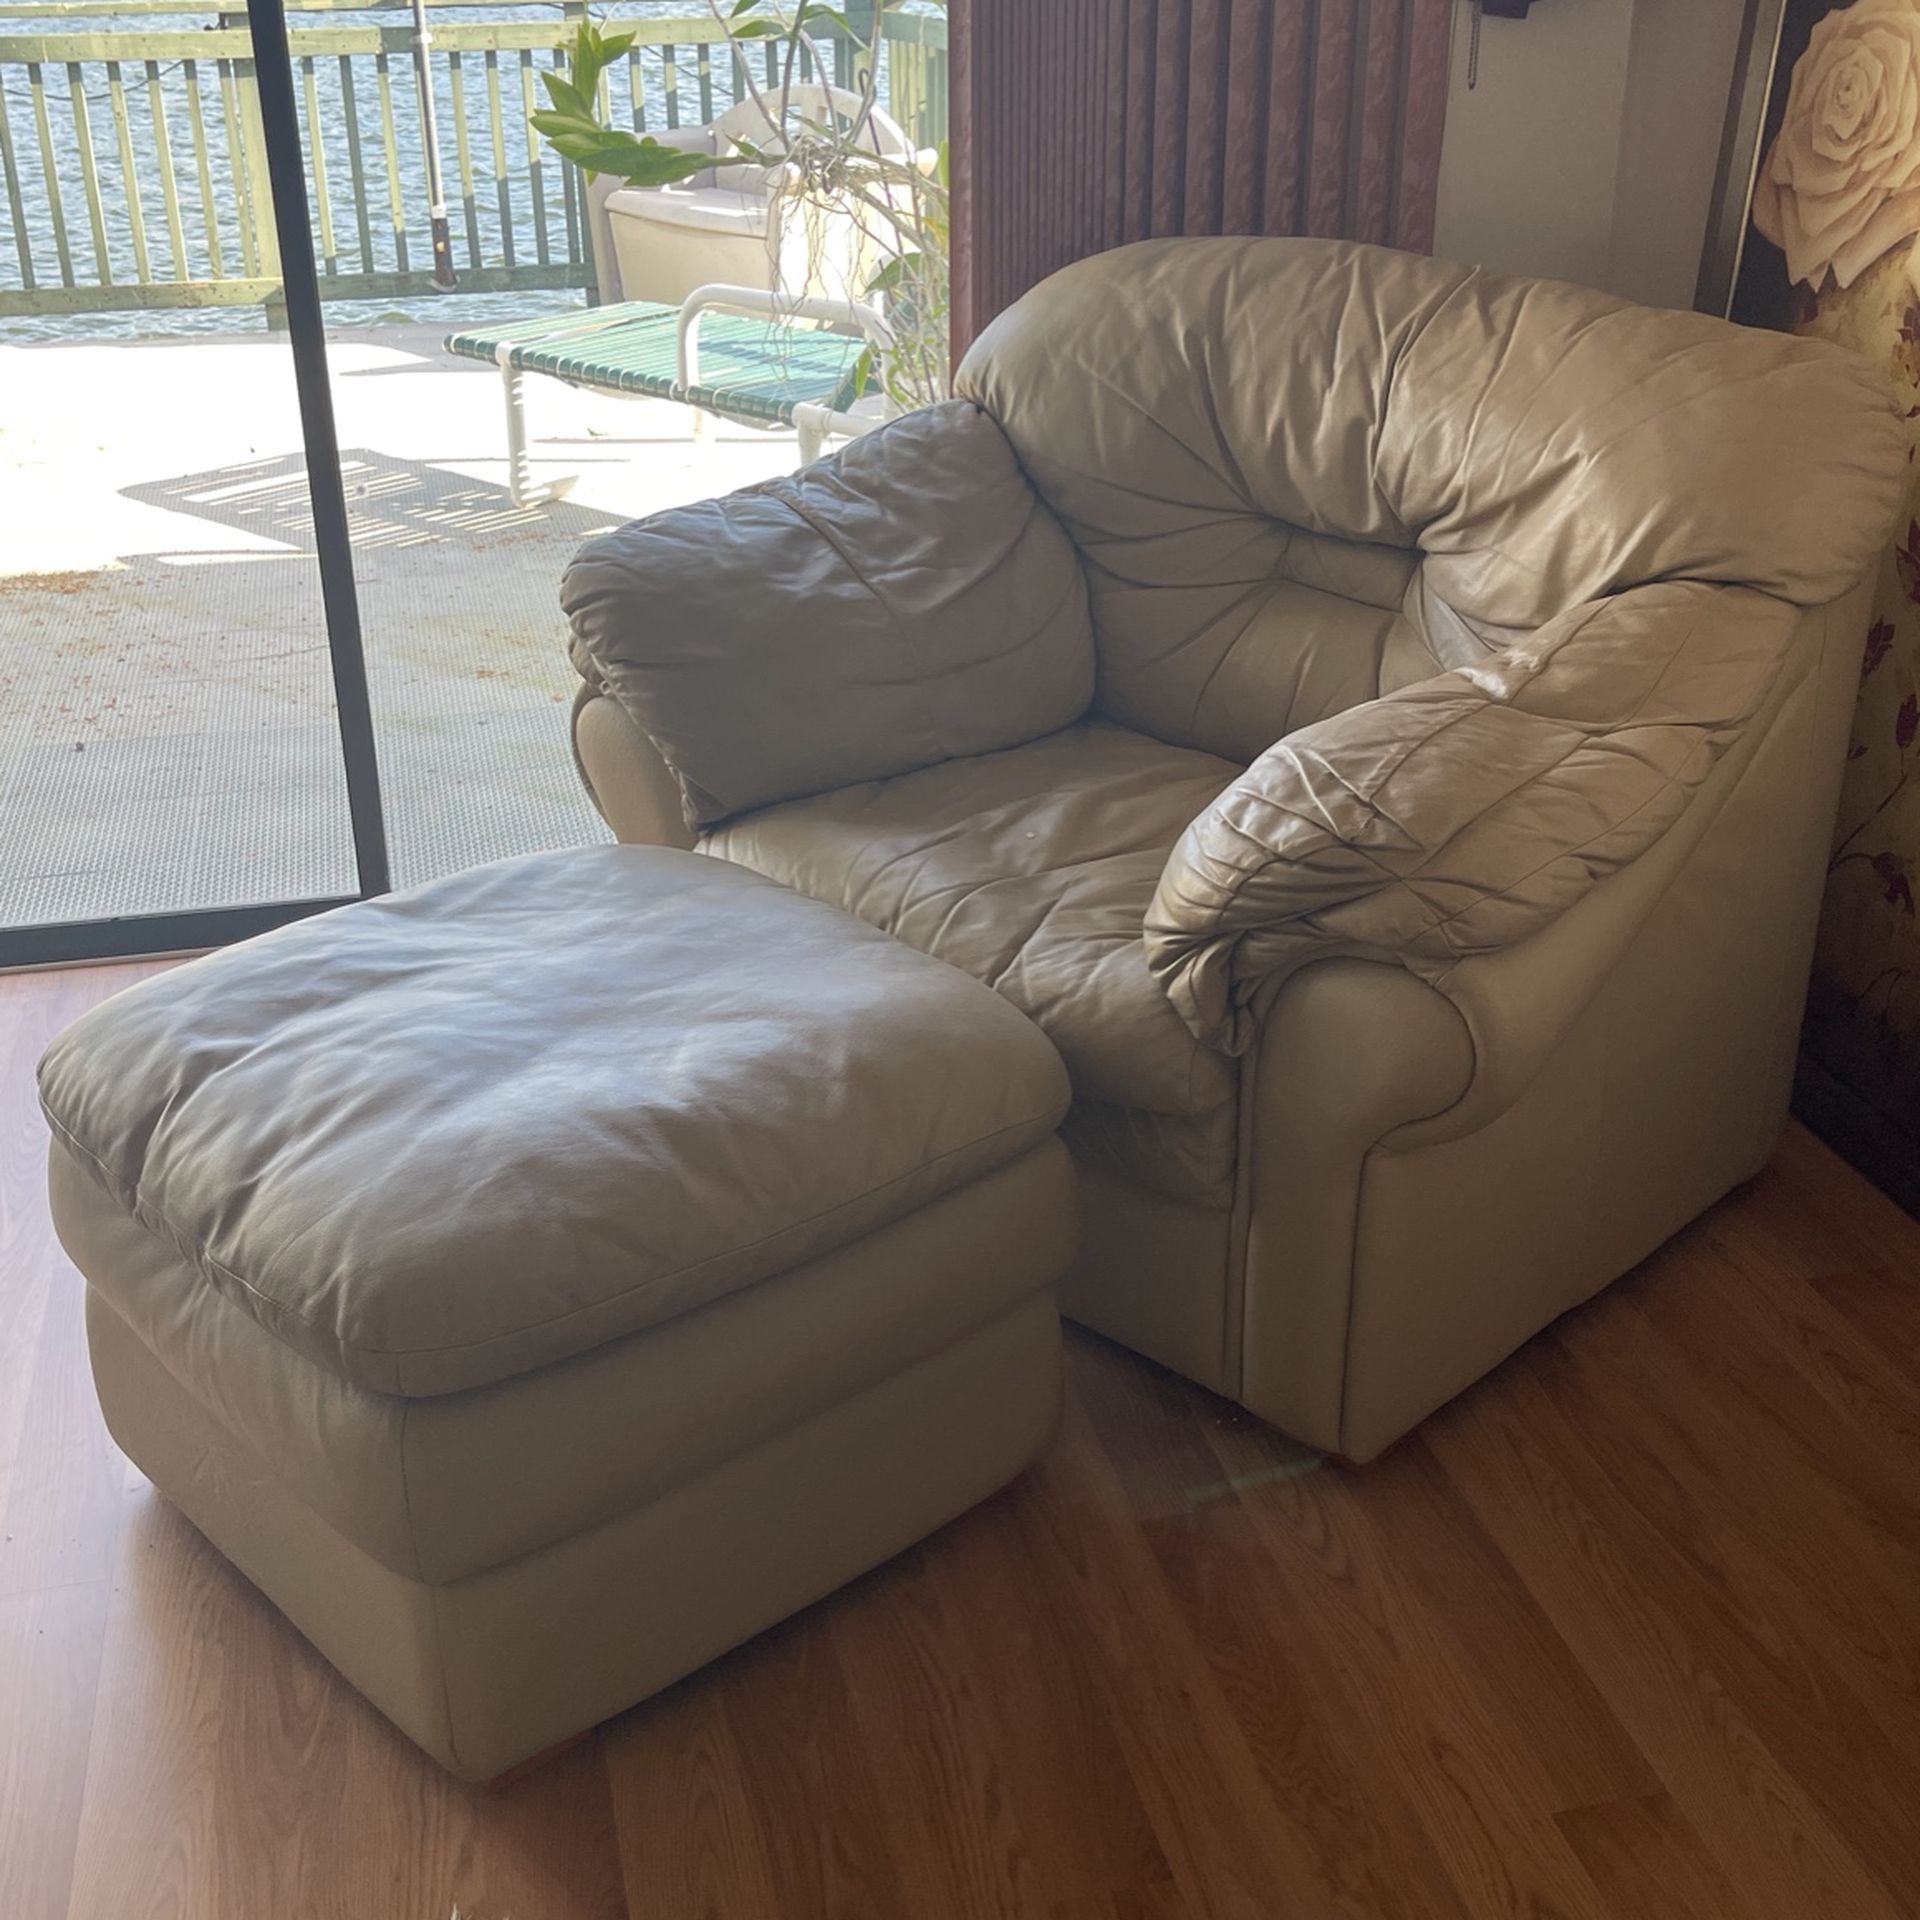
x=1079 y=125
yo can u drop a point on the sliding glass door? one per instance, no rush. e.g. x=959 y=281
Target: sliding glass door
x=186 y=754
x=277 y=627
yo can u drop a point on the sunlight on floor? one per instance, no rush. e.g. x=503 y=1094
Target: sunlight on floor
x=166 y=734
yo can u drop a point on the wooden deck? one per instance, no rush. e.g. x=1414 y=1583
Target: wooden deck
x=1630 y=1632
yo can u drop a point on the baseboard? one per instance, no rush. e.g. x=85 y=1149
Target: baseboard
x=1886 y=1152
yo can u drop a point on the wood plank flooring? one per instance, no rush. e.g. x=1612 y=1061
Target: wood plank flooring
x=1631 y=1632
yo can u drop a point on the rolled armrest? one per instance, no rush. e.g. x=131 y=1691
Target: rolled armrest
x=1462 y=814
x=631 y=787
x=908 y=600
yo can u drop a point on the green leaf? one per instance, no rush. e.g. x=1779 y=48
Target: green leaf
x=586 y=57
x=594 y=155
x=566 y=96
x=612 y=150
x=593 y=53
x=556 y=122
x=648 y=151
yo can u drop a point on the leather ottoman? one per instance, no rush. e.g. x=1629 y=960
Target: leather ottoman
x=540 y=1281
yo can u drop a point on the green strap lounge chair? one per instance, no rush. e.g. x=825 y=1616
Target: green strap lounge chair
x=737 y=352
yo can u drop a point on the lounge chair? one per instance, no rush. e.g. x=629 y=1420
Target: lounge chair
x=741 y=353
x=728 y=225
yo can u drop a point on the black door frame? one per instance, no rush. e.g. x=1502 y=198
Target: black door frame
x=130 y=936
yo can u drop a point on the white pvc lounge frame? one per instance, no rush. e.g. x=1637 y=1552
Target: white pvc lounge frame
x=814 y=423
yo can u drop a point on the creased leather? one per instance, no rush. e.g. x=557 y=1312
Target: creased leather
x=1615 y=514
x=1463 y=813
x=908 y=601
x=1031 y=870
x=438 y=1139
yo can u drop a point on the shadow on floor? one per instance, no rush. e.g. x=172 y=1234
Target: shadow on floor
x=390 y=503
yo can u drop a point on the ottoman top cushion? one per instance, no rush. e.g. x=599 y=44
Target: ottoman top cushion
x=434 y=1140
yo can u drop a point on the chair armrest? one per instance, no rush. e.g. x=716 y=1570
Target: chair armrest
x=908 y=600
x=685 y=140
x=631 y=787
x=1463 y=814
x=841 y=316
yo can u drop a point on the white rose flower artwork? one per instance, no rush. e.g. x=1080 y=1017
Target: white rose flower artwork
x=1837 y=192
x=1840 y=186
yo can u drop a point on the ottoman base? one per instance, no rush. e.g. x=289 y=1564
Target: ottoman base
x=484 y=1671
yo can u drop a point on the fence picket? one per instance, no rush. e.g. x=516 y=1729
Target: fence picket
x=463 y=150
x=63 y=250
x=389 y=140
x=237 y=172
x=16 y=204
x=203 y=168
x=536 y=174
x=356 y=164
x=89 y=172
x=266 y=231
x=163 y=160
x=572 y=212
x=496 y=125
x=317 y=166
x=129 y=173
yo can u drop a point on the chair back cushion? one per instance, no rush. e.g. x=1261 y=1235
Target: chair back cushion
x=1305 y=473
x=757 y=122
x=909 y=601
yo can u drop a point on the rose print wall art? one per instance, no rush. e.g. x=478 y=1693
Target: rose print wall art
x=1833 y=249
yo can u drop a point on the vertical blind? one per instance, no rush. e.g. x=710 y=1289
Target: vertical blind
x=1079 y=125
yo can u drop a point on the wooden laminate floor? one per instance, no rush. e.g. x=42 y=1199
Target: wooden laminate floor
x=1631 y=1632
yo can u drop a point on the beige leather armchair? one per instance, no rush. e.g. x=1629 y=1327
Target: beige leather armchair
x=1381 y=720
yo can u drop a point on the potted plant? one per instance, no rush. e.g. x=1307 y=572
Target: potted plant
x=851 y=210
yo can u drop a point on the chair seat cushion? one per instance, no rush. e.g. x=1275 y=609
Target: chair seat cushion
x=1032 y=870
x=439 y=1139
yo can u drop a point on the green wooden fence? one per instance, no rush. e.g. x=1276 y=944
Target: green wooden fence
x=135 y=166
